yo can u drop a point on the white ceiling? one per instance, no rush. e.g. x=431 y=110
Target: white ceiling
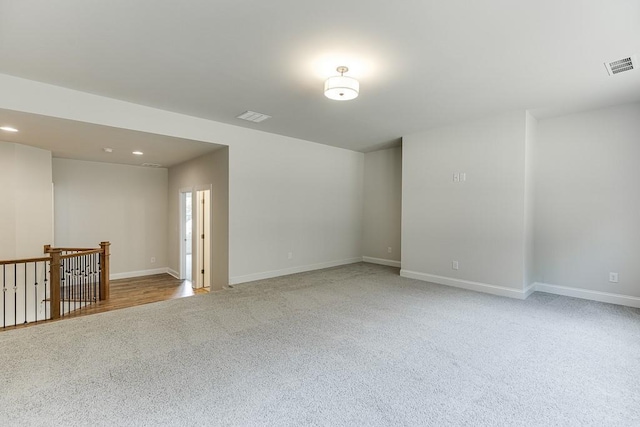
x=84 y=141
x=421 y=63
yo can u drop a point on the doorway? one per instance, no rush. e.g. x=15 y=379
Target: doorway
x=186 y=234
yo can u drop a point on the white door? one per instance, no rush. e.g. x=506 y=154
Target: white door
x=203 y=236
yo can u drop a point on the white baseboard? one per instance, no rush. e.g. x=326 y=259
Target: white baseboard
x=381 y=261
x=173 y=273
x=140 y=273
x=467 y=284
x=293 y=270
x=589 y=294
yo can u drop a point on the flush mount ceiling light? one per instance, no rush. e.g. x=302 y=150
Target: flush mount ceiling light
x=341 y=88
x=137 y=153
x=8 y=129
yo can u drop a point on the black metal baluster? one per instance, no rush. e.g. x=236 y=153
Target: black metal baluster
x=4 y=295
x=81 y=279
x=75 y=283
x=35 y=292
x=99 y=275
x=45 y=289
x=25 y=292
x=64 y=268
x=96 y=275
x=15 y=294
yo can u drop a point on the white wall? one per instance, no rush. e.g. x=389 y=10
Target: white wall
x=289 y=195
x=210 y=169
x=125 y=205
x=588 y=200
x=382 y=205
x=531 y=138
x=480 y=222
x=26 y=211
x=285 y=194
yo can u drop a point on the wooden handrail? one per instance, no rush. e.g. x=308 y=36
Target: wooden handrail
x=87 y=252
x=23 y=261
x=48 y=248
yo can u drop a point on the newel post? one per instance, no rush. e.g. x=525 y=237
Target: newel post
x=104 y=270
x=54 y=276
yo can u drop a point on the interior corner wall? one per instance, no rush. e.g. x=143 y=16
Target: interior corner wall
x=478 y=222
x=125 y=205
x=212 y=168
x=531 y=137
x=26 y=211
x=382 y=205
x=588 y=200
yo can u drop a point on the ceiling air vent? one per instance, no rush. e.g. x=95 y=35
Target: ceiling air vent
x=252 y=116
x=621 y=65
x=151 y=165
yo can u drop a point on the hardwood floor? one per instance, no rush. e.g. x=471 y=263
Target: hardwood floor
x=132 y=292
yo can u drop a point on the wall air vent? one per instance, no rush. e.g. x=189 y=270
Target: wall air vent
x=621 y=65
x=252 y=116
x=151 y=165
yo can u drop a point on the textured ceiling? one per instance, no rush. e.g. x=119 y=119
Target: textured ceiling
x=421 y=63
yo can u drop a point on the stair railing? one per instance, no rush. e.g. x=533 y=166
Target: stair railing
x=51 y=287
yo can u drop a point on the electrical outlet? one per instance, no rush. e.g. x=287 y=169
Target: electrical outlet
x=290 y=255
x=153 y=259
x=456 y=177
x=454 y=265
x=613 y=277
x=389 y=250
x=463 y=176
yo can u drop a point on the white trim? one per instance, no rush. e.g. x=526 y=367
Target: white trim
x=467 y=284
x=529 y=290
x=293 y=270
x=381 y=261
x=589 y=294
x=173 y=273
x=140 y=273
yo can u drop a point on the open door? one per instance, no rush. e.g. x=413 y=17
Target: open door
x=203 y=251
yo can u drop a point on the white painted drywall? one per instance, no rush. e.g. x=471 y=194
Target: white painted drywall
x=382 y=204
x=480 y=222
x=531 y=133
x=588 y=200
x=292 y=196
x=26 y=219
x=125 y=205
x=7 y=207
x=285 y=194
x=210 y=169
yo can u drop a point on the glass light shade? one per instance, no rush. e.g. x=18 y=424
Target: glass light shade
x=341 y=88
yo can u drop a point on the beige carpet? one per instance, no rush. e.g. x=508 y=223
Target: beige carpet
x=353 y=345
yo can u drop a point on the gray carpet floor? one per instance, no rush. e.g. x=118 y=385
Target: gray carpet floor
x=352 y=345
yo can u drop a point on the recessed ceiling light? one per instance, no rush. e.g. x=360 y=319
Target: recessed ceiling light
x=138 y=153
x=8 y=129
x=107 y=150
